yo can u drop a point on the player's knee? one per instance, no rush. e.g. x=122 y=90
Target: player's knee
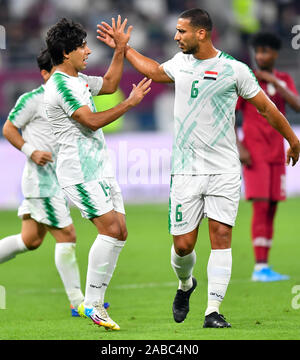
x=183 y=248
x=114 y=230
x=221 y=237
x=33 y=243
x=70 y=234
x=124 y=233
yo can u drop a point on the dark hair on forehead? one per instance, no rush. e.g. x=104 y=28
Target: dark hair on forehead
x=64 y=37
x=44 y=60
x=198 y=18
x=266 y=39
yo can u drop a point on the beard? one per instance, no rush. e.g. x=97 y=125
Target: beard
x=191 y=49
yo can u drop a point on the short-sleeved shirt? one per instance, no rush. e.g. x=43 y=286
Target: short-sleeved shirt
x=82 y=154
x=29 y=115
x=260 y=138
x=206 y=92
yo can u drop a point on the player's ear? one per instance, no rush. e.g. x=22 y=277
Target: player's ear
x=65 y=56
x=45 y=75
x=201 y=34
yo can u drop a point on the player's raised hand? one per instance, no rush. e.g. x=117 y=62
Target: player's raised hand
x=105 y=37
x=41 y=157
x=139 y=91
x=115 y=35
x=293 y=154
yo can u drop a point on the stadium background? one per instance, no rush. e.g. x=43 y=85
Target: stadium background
x=140 y=148
x=141 y=142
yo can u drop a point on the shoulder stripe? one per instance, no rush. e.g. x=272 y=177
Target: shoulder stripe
x=62 y=87
x=23 y=100
x=227 y=56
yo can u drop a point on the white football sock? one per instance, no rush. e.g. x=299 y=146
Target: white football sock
x=11 y=246
x=66 y=264
x=260 y=266
x=183 y=267
x=103 y=257
x=218 y=274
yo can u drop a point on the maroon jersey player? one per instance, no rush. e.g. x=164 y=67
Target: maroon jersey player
x=262 y=152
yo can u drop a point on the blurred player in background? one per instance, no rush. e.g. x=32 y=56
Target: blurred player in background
x=84 y=168
x=262 y=152
x=45 y=207
x=206 y=171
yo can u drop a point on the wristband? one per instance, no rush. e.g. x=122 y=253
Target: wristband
x=27 y=149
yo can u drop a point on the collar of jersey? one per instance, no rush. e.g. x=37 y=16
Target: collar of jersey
x=61 y=72
x=213 y=58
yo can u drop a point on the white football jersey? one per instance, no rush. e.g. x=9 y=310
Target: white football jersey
x=29 y=115
x=206 y=92
x=82 y=155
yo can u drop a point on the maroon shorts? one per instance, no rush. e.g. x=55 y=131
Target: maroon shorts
x=264 y=180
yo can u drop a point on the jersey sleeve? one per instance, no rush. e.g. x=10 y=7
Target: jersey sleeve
x=247 y=84
x=23 y=111
x=69 y=96
x=95 y=83
x=171 y=66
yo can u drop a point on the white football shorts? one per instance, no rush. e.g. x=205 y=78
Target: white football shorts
x=97 y=197
x=193 y=197
x=53 y=211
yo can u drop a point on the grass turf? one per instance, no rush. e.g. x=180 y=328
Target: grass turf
x=143 y=286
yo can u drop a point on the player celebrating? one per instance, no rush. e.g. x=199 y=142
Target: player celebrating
x=206 y=172
x=83 y=165
x=44 y=207
x=262 y=152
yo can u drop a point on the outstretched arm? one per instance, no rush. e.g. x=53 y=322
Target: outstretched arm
x=276 y=119
x=97 y=120
x=112 y=77
x=148 y=67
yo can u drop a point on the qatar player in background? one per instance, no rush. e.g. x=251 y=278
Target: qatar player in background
x=262 y=152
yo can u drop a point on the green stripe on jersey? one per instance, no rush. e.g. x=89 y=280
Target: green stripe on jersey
x=47 y=180
x=50 y=212
x=21 y=104
x=86 y=201
x=227 y=56
x=90 y=153
x=62 y=87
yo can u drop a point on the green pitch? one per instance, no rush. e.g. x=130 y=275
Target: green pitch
x=143 y=286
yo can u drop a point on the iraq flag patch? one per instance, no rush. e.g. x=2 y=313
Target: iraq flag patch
x=210 y=75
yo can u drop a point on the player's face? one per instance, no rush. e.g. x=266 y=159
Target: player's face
x=78 y=57
x=187 y=36
x=265 y=57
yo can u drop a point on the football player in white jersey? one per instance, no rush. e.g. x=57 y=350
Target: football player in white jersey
x=83 y=165
x=206 y=171
x=45 y=207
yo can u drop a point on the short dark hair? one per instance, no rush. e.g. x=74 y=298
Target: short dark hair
x=64 y=37
x=198 y=18
x=44 y=60
x=266 y=39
